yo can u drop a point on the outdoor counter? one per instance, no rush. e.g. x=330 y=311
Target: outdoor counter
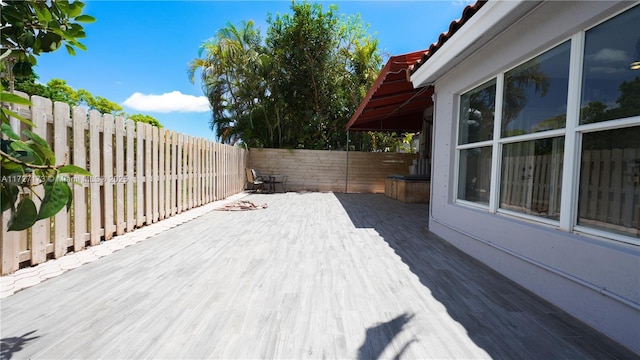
x=408 y=188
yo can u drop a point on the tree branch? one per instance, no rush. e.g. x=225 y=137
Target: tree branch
x=33 y=166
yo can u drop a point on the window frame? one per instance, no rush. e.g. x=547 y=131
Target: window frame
x=572 y=133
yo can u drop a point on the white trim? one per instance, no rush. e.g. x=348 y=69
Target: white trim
x=474 y=145
x=532 y=218
x=572 y=140
x=479 y=84
x=496 y=152
x=604 y=20
x=609 y=125
x=605 y=235
x=472 y=204
x=533 y=136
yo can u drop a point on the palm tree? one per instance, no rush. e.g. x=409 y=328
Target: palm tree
x=225 y=63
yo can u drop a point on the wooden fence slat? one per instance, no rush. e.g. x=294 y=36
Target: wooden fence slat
x=215 y=171
x=41 y=230
x=60 y=147
x=79 y=191
x=107 y=167
x=194 y=170
x=119 y=177
x=10 y=246
x=626 y=217
x=140 y=173
x=12 y=241
x=201 y=173
x=187 y=172
x=162 y=169
x=154 y=176
x=148 y=181
x=167 y=173
x=174 y=172
x=96 y=124
x=179 y=174
x=186 y=169
x=594 y=186
x=605 y=186
x=208 y=172
x=585 y=171
x=198 y=172
x=130 y=175
x=616 y=184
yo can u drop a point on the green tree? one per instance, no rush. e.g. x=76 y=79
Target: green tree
x=60 y=91
x=28 y=85
x=145 y=119
x=297 y=90
x=32 y=27
x=103 y=105
x=29 y=28
x=227 y=64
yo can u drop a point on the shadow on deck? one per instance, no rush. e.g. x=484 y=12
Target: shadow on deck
x=501 y=317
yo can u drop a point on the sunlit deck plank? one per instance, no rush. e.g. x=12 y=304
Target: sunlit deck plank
x=315 y=275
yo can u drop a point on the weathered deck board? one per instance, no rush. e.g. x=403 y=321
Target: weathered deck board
x=316 y=275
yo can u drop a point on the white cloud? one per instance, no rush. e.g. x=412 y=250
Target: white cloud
x=607 y=69
x=463 y=3
x=174 y=101
x=610 y=55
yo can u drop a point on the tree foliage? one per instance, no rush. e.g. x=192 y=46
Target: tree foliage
x=145 y=119
x=28 y=29
x=297 y=87
x=32 y=27
x=58 y=90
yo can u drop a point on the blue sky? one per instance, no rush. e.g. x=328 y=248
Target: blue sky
x=138 y=51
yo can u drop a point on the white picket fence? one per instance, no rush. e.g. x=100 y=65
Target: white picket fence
x=140 y=175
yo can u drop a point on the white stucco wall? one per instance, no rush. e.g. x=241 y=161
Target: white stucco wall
x=595 y=280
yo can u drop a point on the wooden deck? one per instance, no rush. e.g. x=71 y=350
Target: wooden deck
x=315 y=275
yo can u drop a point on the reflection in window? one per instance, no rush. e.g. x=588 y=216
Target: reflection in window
x=477 y=110
x=609 y=186
x=610 y=85
x=475 y=175
x=532 y=177
x=535 y=93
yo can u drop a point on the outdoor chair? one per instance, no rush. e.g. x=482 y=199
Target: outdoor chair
x=271 y=180
x=254 y=181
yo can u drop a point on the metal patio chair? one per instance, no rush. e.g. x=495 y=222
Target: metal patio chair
x=254 y=181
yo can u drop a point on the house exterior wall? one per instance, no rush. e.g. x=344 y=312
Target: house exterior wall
x=595 y=279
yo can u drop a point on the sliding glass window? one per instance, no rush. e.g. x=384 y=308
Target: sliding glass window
x=609 y=183
x=535 y=102
x=475 y=132
x=542 y=120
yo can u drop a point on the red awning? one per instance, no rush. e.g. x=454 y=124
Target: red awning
x=392 y=104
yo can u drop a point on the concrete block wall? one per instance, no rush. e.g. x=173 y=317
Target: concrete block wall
x=325 y=170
